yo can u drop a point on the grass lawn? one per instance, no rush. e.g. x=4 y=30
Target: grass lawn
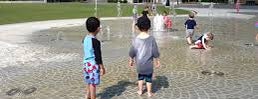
x=17 y=13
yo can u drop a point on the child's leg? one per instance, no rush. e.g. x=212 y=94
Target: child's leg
x=193 y=46
x=189 y=35
x=149 y=84
x=92 y=91
x=189 y=40
x=140 y=83
x=87 y=95
x=149 y=89
x=140 y=87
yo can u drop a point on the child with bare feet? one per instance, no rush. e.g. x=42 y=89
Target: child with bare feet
x=190 y=25
x=143 y=51
x=202 y=42
x=93 y=66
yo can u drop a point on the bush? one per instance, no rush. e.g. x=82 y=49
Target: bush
x=64 y=0
x=206 y=0
x=215 y=1
x=115 y=1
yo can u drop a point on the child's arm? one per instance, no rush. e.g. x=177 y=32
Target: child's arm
x=132 y=54
x=98 y=55
x=131 y=62
x=196 y=27
x=257 y=37
x=102 y=69
x=156 y=54
x=157 y=62
x=205 y=44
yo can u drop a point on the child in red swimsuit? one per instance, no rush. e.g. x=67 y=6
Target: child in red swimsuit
x=167 y=21
x=202 y=42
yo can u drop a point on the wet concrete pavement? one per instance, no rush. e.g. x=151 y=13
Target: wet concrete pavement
x=44 y=67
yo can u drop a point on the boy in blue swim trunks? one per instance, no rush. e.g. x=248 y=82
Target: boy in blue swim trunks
x=92 y=60
x=144 y=50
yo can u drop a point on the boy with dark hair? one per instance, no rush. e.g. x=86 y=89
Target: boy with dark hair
x=92 y=61
x=143 y=50
x=190 y=25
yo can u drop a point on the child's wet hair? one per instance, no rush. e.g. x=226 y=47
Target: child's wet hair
x=143 y=23
x=210 y=35
x=92 y=24
x=191 y=15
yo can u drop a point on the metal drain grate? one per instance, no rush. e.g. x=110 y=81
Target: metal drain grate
x=17 y=90
x=251 y=44
x=13 y=91
x=207 y=72
x=29 y=90
x=219 y=73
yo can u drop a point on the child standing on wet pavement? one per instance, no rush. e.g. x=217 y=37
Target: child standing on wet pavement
x=92 y=60
x=167 y=21
x=143 y=51
x=190 y=26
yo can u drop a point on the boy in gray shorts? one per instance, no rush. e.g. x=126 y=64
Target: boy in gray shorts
x=144 y=50
x=190 y=25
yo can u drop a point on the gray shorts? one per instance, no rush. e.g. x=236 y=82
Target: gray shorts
x=189 y=33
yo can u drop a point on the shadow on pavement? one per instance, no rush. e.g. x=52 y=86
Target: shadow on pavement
x=160 y=82
x=114 y=90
